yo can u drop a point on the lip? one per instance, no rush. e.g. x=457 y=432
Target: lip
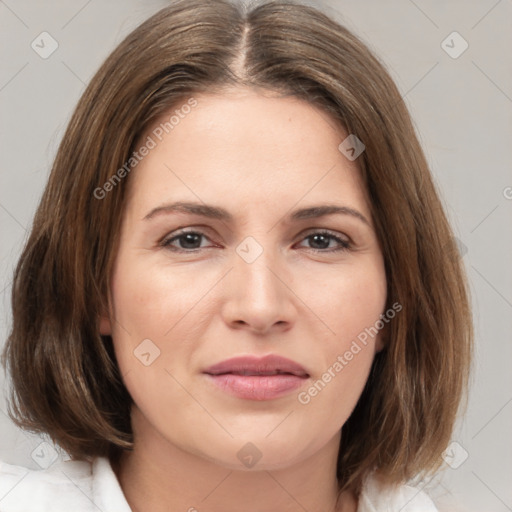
x=257 y=378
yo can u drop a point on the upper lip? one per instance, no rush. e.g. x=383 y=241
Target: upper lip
x=271 y=364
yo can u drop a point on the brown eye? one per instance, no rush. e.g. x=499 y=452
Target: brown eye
x=324 y=241
x=187 y=241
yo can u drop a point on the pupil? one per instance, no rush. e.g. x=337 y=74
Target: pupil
x=190 y=238
x=325 y=243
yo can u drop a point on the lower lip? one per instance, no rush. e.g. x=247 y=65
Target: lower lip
x=254 y=387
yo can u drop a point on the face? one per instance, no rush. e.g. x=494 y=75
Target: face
x=249 y=270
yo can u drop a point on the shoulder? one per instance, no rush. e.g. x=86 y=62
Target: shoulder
x=376 y=497
x=66 y=485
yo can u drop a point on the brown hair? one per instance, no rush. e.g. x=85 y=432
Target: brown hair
x=66 y=381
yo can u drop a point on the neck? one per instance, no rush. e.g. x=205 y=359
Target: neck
x=159 y=476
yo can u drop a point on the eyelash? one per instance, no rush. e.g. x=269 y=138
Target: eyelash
x=344 y=245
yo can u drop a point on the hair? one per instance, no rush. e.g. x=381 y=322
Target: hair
x=65 y=379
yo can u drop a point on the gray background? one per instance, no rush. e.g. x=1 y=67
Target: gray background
x=462 y=109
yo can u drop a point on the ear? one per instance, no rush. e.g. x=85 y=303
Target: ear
x=380 y=343
x=382 y=339
x=104 y=325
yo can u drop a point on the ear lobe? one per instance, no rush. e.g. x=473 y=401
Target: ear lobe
x=380 y=344
x=382 y=339
x=105 y=326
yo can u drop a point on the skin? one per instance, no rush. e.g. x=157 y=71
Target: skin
x=260 y=157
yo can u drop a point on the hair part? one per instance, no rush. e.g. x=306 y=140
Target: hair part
x=66 y=381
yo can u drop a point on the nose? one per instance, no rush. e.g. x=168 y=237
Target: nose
x=257 y=296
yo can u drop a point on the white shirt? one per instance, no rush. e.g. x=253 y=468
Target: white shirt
x=86 y=487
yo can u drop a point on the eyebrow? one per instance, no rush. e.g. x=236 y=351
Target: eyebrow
x=218 y=213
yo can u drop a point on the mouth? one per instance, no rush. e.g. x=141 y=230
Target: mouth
x=269 y=365
x=257 y=378
x=258 y=373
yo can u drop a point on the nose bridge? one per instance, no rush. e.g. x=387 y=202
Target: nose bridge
x=256 y=294
x=255 y=268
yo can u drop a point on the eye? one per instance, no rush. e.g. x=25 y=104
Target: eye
x=321 y=242
x=188 y=241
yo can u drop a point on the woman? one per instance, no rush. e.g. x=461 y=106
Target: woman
x=240 y=289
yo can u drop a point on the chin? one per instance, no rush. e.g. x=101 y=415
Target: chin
x=258 y=453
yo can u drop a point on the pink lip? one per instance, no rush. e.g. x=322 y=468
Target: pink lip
x=257 y=378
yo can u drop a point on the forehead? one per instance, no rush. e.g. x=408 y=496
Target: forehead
x=245 y=147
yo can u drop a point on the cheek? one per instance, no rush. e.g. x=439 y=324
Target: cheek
x=332 y=395
x=137 y=300
x=347 y=359
x=155 y=307
x=145 y=308
x=352 y=306
x=350 y=300
x=149 y=299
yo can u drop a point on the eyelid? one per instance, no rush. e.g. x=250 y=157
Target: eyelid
x=327 y=231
